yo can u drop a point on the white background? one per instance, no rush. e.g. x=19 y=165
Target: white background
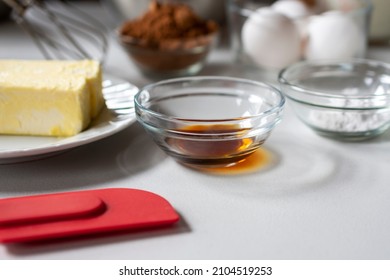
x=320 y=199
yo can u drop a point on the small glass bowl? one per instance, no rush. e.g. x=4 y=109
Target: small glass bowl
x=346 y=100
x=209 y=121
x=183 y=59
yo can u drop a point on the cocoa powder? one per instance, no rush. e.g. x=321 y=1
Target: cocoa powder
x=168 y=26
x=168 y=40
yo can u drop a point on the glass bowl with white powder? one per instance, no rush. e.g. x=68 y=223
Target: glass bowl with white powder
x=347 y=100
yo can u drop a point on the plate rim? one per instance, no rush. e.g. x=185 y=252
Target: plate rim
x=121 y=122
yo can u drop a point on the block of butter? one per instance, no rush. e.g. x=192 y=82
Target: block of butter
x=92 y=71
x=49 y=98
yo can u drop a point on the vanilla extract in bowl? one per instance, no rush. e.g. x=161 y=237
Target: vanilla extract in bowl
x=209 y=121
x=213 y=145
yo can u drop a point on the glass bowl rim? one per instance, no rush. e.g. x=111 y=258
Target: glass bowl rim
x=273 y=110
x=283 y=80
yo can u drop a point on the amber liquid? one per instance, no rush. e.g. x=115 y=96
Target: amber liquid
x=258 y=160
x=215 y=151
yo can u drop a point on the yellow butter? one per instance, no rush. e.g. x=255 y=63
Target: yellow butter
x=92 y=71
x=50 y=98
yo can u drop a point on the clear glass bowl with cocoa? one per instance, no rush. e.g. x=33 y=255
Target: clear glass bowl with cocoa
x=168 y=40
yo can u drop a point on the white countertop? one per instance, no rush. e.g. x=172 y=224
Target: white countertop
x=319 y=199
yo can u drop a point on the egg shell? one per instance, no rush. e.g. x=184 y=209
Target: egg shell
x=334 y=36
x=271 y=39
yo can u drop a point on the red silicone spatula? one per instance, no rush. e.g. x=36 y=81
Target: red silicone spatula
x=40 y=217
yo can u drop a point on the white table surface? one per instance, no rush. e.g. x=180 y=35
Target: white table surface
x=319 y=199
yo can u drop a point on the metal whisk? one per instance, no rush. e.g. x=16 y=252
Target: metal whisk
x=60 y=30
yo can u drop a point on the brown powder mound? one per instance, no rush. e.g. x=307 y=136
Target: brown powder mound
x=310 y=3
x=168 y=26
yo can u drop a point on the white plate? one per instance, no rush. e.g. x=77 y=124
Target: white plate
x=110 y=121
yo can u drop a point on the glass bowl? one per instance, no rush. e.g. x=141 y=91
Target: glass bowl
x=184 y=58
x=347 y=100
x=209 y=121
x=168 y=39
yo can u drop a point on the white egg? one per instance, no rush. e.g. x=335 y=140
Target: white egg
x=335 y=36
x=271 y=39
x=292 y=8
x=296 y=10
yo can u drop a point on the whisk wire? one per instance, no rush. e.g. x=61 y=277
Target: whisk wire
x=60 y=29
